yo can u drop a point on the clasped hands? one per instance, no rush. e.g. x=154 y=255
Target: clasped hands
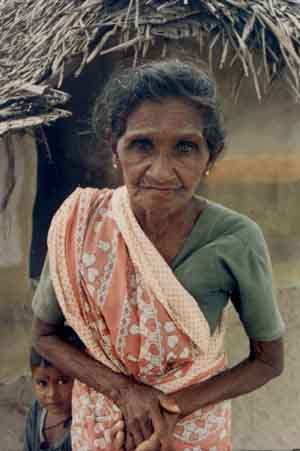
x=148 y=419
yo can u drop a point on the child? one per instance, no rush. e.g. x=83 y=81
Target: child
x=49 y=419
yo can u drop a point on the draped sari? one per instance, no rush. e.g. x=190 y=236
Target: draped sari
x=133 y=315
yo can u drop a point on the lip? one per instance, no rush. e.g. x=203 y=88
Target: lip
x=158 y=188
x=54 y=405
x=55 y=408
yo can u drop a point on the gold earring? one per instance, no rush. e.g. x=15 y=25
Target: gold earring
x=115 y=162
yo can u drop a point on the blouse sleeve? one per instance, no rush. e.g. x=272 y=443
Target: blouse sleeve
x=44 y=304
x=253 y=293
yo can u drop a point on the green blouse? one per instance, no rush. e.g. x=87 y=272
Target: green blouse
x=224 y=257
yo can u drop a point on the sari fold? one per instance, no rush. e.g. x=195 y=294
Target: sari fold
x=133 y=316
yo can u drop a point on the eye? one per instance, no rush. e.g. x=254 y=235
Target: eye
x=63 y=380
x=41 y=383
x=186 y=147
x=141 y=144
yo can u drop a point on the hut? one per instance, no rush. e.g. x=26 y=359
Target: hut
x=55 y=57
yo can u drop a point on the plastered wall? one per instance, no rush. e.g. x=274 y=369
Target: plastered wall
x=15 y=239
x=259 y=175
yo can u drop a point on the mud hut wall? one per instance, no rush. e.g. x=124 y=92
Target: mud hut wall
x=15 y=240
x=259 y=176
x=259 y=173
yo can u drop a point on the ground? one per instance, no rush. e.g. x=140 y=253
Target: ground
x=15 y=399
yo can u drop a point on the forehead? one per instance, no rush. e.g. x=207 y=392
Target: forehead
x=48 y=372
x=166 y=114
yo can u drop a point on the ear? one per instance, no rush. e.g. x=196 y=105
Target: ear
x=114 y=145
x=213 y=157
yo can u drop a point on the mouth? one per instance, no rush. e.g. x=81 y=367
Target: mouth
x=163 y=189
x=53 y=405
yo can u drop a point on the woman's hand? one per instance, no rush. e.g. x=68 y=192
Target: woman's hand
x=171 y=419
x=143 y=415
x=166 y=441
x=118 y=435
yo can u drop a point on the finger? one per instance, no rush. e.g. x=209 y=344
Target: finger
x=136 y=433
x=118 y=416
x=171 y=420
x=158 y=421
x=167 y=441
x=153 y=444
x=129 y=442
x=118 y=435
x=118 y=427
x=146 y=428
x=169 y=404
x=167 y=446
x=119 y=441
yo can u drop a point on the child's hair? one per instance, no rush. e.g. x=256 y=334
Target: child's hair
x=36 y=360
x=67 y=334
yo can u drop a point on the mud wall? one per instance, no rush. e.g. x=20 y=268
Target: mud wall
x=259 y=175
x=18 y=172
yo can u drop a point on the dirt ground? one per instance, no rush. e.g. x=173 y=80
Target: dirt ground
x=15 y=400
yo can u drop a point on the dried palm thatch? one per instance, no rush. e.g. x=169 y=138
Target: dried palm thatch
x=43 y=41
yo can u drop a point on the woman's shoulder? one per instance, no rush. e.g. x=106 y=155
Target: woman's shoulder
x=225 y=222
x=93 y=194
x=84 y=199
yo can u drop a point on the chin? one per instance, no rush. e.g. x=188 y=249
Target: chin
x=57 y=410
x=164 y=204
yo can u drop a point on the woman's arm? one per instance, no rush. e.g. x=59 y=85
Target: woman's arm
x=74 y=362
x=139 y=404
x=264 y=363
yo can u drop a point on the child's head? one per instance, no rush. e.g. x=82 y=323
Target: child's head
x=53 y=389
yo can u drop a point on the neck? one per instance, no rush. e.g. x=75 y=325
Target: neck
x=56 y=417
x=159 y=223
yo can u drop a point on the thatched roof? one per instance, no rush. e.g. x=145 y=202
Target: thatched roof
x=43 y=41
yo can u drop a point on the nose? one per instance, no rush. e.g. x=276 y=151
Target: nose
x=161 y=170
x=52 y=393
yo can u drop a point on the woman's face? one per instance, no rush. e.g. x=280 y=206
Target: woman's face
x=163 y=154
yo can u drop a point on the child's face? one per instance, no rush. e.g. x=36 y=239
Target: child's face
x=53 y=389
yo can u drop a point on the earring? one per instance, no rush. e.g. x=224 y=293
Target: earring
x=206 y=173
x=115 y=162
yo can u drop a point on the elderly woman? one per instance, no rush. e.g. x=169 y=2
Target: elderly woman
x=144 y=274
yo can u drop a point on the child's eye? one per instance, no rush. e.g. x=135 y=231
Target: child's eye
x=186 y=147
x=141 y=144
x=42 y=383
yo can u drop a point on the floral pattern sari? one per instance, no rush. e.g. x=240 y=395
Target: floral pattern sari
x=134 y=317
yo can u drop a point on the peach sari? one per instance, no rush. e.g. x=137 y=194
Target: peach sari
x=134 y=317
